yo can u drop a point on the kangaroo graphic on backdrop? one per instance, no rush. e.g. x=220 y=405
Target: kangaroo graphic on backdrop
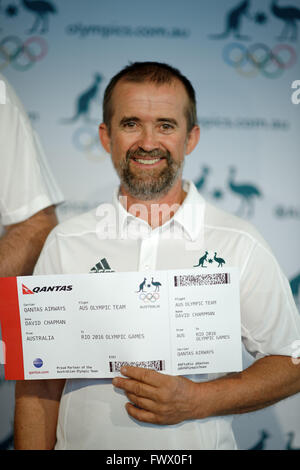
x=41 y=9
x=84 y=101
x=289 y=15
x=234 y=21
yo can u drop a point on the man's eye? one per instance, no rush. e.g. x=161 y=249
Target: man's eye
x=129 y=124
x=167 y=127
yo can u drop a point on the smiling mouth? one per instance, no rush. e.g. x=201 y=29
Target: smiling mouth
x=148 y=161
x=142 y=158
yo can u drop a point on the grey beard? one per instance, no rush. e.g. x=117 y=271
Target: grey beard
x=154 y=185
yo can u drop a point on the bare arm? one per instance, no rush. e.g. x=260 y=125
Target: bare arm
x=264 y=383
x=21 y=244
x=164 y=399
x=36 y=413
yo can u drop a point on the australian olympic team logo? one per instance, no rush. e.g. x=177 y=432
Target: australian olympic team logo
x=22 y=55
x=149 y=291
x=259 y=58
x=209 y=258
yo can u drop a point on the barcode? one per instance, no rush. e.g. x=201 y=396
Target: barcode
x=155 y=365
x=202 y=279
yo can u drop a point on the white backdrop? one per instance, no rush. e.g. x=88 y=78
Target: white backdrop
x=242 y=58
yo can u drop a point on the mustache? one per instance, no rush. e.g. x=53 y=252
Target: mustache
x=155 y=153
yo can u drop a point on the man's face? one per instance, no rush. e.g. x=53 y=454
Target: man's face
x=148 y=137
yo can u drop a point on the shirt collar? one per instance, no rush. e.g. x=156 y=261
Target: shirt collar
x=189 y=216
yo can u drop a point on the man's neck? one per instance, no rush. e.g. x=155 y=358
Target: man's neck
x=155 y=212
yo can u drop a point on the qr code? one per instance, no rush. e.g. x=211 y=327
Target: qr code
x=201 y=279
x=155 y=365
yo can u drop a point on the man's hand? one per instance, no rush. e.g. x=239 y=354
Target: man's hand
x=164 y=399
x=157 y=398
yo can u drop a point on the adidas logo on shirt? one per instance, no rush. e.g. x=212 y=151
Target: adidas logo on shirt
x=102 y=267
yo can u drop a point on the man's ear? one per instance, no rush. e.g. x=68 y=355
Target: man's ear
x=104 y=137
x=193 y=139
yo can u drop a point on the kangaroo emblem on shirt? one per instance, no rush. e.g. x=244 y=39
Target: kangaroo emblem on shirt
x=201 y=260
x=210 y=260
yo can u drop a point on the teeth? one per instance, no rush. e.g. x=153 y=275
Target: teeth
x=147 y=162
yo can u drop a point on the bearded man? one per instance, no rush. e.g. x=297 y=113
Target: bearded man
x=149 y=126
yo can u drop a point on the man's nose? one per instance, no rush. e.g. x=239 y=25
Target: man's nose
x=148 y=139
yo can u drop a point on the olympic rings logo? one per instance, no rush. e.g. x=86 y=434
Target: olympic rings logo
x=22 y=55
x=149 y=296
x=86 y=140
x=259 y=58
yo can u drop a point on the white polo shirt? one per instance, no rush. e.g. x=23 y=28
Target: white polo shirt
x=92 y=413
x=26 y=182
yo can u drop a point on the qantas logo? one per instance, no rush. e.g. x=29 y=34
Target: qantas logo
x=37 y=289
x=25 y=290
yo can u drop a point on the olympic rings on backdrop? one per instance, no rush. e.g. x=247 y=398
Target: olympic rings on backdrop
x=86 y=140
x=22 y=55
x=293 y=55
x=149 y=296
x=269 y=62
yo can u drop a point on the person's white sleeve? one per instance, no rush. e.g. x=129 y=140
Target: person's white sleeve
x=26 y=182
x=270 y=320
